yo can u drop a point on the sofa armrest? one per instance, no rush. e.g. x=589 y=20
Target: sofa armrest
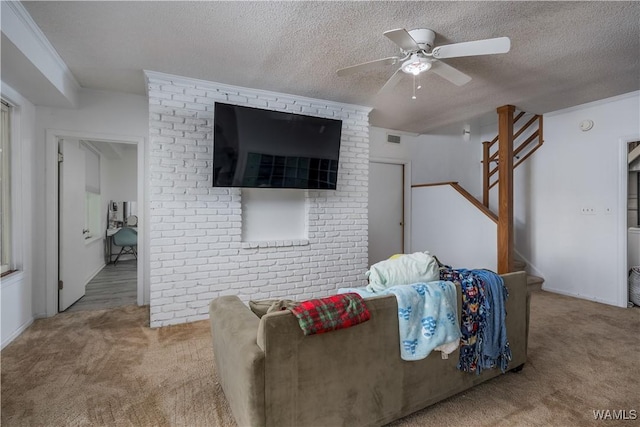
x=517 y=307
x=239 y=360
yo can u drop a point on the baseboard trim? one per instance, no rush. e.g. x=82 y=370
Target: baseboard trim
x=94 y=274
x=530 y=267
x=16 y=333
x=579 y=296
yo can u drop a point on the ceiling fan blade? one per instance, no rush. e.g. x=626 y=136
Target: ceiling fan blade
x=447 y=72
x=392 y=82
x=367 y=66
x=479 y=47
x=402 y=38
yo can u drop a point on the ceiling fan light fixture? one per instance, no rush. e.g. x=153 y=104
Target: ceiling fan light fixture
x=416 y=64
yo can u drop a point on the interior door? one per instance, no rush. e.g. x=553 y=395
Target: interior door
x=71 y=220
x=386 y=210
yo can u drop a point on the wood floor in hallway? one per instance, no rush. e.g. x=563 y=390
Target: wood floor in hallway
x=113 y=286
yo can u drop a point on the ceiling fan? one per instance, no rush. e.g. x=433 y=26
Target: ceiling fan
x=418 y=55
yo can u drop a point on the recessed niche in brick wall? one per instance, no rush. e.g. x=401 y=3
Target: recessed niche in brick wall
x=274 y=215
x=197 y=250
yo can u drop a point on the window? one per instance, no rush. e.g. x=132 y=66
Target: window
x=92 y=215
x=5 y=190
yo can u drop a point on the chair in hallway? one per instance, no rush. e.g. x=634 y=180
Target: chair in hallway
x=126 y=238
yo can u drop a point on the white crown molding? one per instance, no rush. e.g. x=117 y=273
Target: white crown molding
x=634 y=94
x=215 y=85
x=23 y=15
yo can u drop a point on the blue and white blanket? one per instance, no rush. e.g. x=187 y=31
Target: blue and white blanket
x=484 y=342
x=428 y=317
x=495 y=349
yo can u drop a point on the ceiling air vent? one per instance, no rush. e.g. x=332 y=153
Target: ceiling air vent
x=393 y=138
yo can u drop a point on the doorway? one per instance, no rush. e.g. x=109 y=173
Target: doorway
x=388 y=209
x=633 y=205
x=92 y=239
x=92 y=176
x=625 y=216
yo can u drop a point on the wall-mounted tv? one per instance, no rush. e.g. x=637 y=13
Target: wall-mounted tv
x=259 y=148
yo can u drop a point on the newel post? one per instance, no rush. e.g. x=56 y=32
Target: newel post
x=505 y=189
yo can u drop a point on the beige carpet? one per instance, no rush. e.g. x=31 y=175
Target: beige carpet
x=108 y=368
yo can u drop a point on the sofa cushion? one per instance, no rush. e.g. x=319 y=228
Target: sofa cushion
x=262 y=307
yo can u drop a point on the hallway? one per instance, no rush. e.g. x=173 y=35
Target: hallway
x=114 y=286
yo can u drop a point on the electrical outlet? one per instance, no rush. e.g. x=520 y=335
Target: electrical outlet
x=588 y=211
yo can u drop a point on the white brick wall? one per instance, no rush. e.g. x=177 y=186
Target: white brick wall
x=196 y=247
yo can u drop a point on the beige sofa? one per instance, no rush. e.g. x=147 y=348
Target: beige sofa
x=273 y=375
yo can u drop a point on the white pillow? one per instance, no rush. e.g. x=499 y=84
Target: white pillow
x=419 y=267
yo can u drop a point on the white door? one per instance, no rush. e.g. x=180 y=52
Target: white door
x=71 y=223
x=386 y=210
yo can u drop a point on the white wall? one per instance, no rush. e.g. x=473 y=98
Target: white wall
x=197 y=251
x=270 y=214
x=451 y=228
x=577 y=254
x=16 y=289
x=119 y=176
x=98 y=112
x=441 y=156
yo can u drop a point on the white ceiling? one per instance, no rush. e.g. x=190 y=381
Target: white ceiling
x=562 y=53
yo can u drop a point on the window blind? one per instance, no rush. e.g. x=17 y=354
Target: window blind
x=5 y=188
x=92 y=169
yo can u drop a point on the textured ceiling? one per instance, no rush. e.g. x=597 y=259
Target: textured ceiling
x=562 y=53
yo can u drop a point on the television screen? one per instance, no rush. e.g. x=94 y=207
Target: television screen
x=253 y=147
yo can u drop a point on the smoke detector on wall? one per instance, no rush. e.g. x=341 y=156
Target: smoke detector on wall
x=586 y=125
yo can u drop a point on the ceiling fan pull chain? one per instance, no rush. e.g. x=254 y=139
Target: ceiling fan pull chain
x=414 y=87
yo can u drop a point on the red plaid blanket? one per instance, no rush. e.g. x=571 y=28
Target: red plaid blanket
x=317 y=316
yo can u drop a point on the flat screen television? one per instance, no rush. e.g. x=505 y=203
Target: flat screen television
x=259 y=148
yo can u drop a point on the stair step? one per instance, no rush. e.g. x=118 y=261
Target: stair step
x=519 y=265
x=534 y=283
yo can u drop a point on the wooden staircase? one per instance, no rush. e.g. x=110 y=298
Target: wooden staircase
x=500 y=158
x=534 y=283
